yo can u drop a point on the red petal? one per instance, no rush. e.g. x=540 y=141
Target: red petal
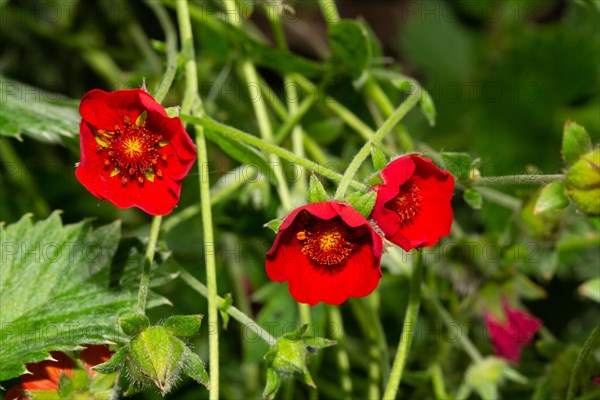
x=45 y=375
x=93 y=355
x=103 y=110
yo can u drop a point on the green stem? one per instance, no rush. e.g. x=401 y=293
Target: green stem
x=148 y=259
x=408 y=328
x=517 y=180
x=336 y=107
x=365 y=151
x=437 y=380
x=330 y=11
x=192 y=102
x=335 y=319
x=171 y=43
x=236 y=134
x=260 y=111
x=591 y=344
x=230 y=183
x=235 y=313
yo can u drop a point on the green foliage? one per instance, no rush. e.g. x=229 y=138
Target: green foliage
x=351 y=48
x=316 y=191
x=363 y=202
x=583 y=183
x=576 y=142
x=552 y=197
x=44 y=116
x=56 y=289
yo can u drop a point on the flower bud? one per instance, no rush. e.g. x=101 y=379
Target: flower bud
x=583 y=183
x=156 y=355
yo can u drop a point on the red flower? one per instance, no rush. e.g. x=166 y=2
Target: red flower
x=514 y=333
x=596 y=380
x=413 y=203
x=327 y=252
x=44 y=376
x=132 y=153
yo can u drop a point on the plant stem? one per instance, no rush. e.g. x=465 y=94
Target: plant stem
x=330 y=11
x=235 y=313
x=408 y=328
x=335 y=319
x=591 y=344
x=171 y=44
x=260 y=111
x=236 y=134
x=148 y=259
x=192 y=102
x=517 y=180
x=365 y=151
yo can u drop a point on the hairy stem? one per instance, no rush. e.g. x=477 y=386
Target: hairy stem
x=591 y=344
x=193 y=103
x=408 y=328
x=335 y=319
x=235 y=313
x=517 y=180
x=148 y=259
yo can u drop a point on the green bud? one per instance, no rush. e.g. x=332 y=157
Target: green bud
x=134 y=324
x=583 y=183
x=156 y=355
x=485 y=376
x=183 y=325
x=576 y=142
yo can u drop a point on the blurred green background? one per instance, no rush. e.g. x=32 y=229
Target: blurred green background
x=504 y=76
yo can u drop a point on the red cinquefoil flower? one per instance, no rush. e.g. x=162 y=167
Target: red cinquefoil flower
x=510 y=336
x=413 y=202
x=45 y=375
x=132 y=153
x=327 y=252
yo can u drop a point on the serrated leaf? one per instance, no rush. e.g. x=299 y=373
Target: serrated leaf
x=351 y=48
x=379 y=159
x=591 y=289
x=243 y=153
x=60 y=286
x=459 y=165
x=473 y=198
x=363 y=202
x=35 y=113
x=552 y=197
x=316 y=191
x=575 y=142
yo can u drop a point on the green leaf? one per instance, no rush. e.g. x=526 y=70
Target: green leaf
x=223 y=307
x=114 y=363
x=274 y=224
x=243 y=153
x=273 y=383
x=61 y=286
x=194 y=368
x=459 y=165
x=316 y=191
x=552 y=197
x=183 y=325
x=351 y=48
x=575 y=143
x=363 y=202
x=379 y=159
x=591 y=289
x=485 y=376
x=473 y=198
x=32 y=112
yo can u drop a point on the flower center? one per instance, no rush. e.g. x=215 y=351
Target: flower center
x=131 y=151
x=327 y=243
x=407 y=203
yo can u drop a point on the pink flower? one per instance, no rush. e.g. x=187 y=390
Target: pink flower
x=514 y=333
